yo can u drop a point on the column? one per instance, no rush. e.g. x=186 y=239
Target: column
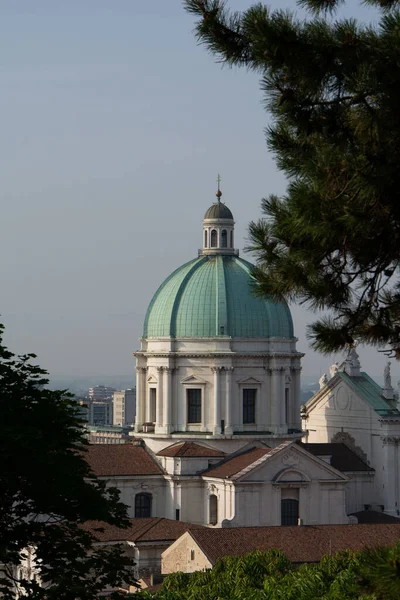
x=275 y=400
x=228 y=401
x=159 y=399
x=140 y=397
x=284 y=385
x=296 y=375
x=167 y=400
x=217 y=406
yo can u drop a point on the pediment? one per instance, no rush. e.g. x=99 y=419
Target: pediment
x=151 y=379
x=249 y=381
x=290 y=463
x=193 y=379
x=339 y=398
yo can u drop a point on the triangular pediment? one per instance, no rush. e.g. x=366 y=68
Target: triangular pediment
x=249 y=381
x=151 y=379
x=193 y=379
x=343 y=394
x=289 y=463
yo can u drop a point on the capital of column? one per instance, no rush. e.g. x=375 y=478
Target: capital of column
x=141 y=369
x=390 y=439
x=217 y=369
x=298 y=369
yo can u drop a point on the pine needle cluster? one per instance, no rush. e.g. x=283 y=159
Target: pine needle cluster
x=331 y=86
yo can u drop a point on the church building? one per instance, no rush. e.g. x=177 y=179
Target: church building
x=218 y=426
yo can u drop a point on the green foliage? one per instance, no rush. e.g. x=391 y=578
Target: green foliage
x=331 y=86
x=369 y=575
x=48 y=490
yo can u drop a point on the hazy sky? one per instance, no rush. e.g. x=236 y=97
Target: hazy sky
x=114 y=127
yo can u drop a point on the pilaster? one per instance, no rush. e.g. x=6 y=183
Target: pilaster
x=216 y=426
x=140 y=397
x=167 y=400
x=228 y=400
x=159 y=403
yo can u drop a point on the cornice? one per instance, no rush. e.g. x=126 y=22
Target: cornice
x=270 y=355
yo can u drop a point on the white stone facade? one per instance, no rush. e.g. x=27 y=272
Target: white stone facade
x=353 y=409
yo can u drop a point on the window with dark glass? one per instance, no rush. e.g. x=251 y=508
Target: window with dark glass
x=153 y=404
x=231 y=239
x=213 y=509
x=194 y=405
x=205 y=239
x=142 y=506
x=289 y=511
x=249 y=405
x=224 y=239
x=213 y=239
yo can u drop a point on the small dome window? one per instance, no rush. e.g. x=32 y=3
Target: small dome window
x=231 y=239
x=213 y=239
x=224 y=239
x=205 y=239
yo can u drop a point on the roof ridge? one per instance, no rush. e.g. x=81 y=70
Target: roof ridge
x=259 y=461
x=192 y=532
x=154 y=458
x=144 y=529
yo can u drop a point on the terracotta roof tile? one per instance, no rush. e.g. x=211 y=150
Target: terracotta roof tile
x=143 y=530
x=236 y=464
x=190 y=449
x=300 y=544
x=120 y=459
x=342 y=457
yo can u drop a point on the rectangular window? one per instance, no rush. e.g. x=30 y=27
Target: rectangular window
x=289 y=511
x=249 y=405
x=153 y=404
x=194 y=405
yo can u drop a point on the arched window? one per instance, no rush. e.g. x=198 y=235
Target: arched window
x=224 y=239
x=289 y=511
x=142 y=506
x=213 y=509
x=231 y=239
x=213 y=239
x=205 y=239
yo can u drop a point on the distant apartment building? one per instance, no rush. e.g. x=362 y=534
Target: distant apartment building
x=100 y=413
x=110 y=434
x=124 y=407
x=98 y=393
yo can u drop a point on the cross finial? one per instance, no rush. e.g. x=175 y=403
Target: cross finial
x=219 y=193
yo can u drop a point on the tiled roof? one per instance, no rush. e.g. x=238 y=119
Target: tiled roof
x=190 y=449
x=300 y=544
x=141 y=530
x=342 y=457
x=120 y=459
x=373 y=516
x=235 y=465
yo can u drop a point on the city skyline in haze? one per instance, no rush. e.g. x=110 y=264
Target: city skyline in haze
x=117 y=124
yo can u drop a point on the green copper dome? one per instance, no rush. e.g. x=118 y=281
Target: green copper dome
x=218 y=211
x=211 y=296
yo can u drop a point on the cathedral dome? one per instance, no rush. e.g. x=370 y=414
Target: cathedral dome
x=218 y=211
x=211 y=296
